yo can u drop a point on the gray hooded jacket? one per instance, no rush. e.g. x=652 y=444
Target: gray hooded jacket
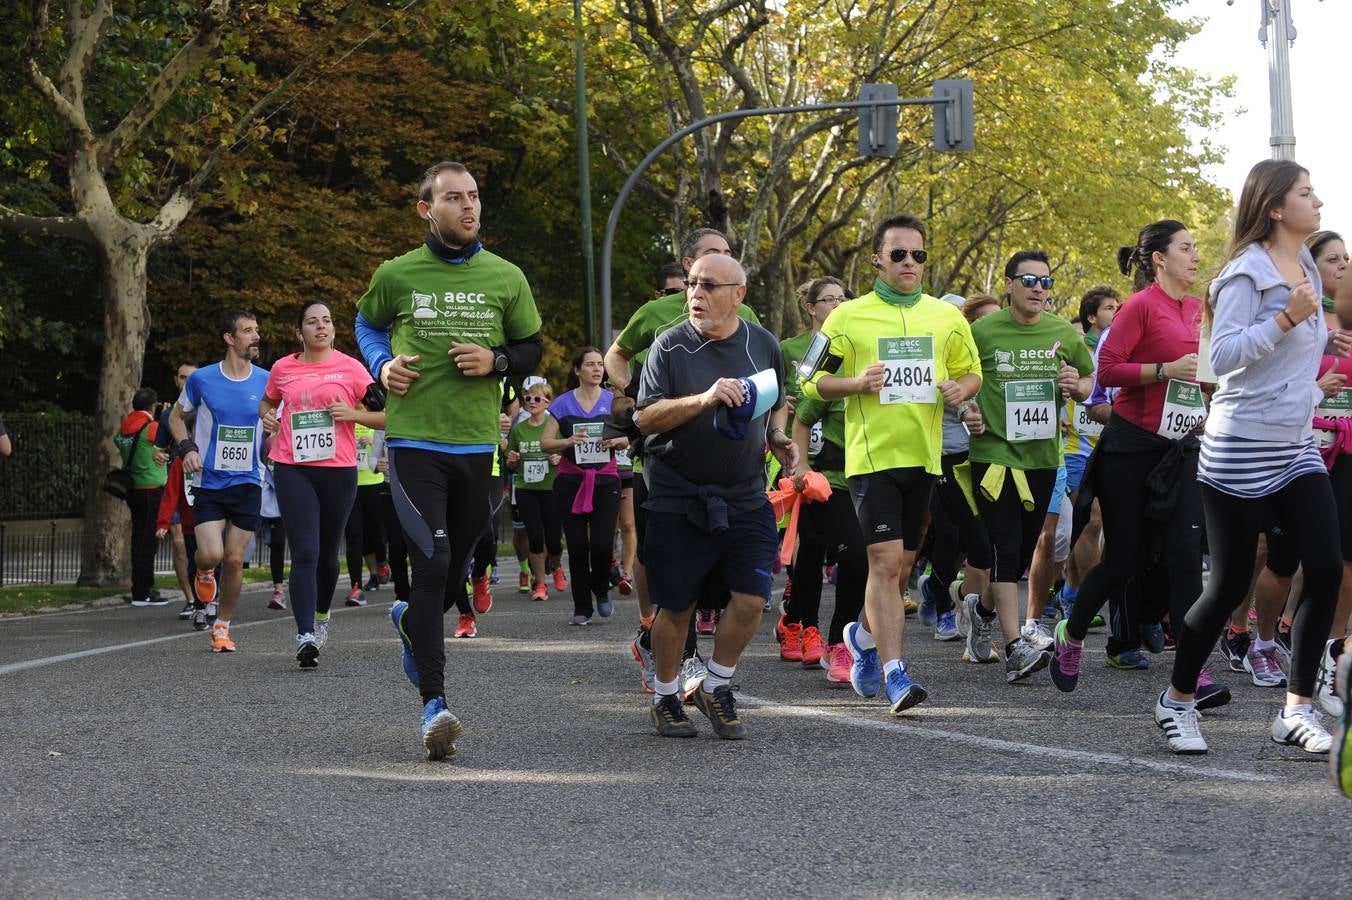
x=1267 y=377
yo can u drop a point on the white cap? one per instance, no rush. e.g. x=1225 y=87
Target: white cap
x=531 y=381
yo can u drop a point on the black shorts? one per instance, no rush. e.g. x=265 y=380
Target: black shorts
x=238 y=504
x=892 y=505
x=626 y=480
x=680 y=557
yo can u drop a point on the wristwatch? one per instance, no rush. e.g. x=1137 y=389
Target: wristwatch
x=1159 y=371
x=499 y=362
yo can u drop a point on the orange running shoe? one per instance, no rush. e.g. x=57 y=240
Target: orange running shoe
x=206 y=585
x=220 y=637
x=483 y=596
x=560 y=579
x=523 y=581
x=812 y=647
x=839 y=673
x=791 y=647
x=908 y=604
x=779 y=628
x=467 y=627
x=540 y=593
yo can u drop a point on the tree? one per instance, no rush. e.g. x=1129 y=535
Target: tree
x=134 y=171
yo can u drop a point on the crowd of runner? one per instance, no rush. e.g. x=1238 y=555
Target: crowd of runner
x=1164 y=470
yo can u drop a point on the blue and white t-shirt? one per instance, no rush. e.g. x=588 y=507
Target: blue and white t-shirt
x=228 y=432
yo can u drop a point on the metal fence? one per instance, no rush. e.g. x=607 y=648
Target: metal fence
x=36 y=553
x=48 y=473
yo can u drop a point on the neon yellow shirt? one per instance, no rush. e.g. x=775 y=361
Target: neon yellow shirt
x=922 y=345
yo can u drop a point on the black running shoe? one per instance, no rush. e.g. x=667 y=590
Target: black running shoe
x=669 y=718
x=1234 y=647
x=721 y=709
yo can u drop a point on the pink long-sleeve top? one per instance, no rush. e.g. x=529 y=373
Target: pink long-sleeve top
x=1151 y=327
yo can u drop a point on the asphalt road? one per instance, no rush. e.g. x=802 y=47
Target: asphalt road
x=134 y=762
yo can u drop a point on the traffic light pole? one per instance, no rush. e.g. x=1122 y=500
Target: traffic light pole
x=951 y=113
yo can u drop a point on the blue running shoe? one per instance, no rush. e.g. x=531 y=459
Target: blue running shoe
x=440 y=729
x=946 y=628
x=1128 y=659
x=930 y=592
x=397 y=617
x=903 y=692
x=1152 y=636
x=865 y=673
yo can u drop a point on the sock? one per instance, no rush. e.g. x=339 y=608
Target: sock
x=864 y=639
x=1260 y=644
x=719 y=676
x=1070 y=593
x=321 y=617
x=983 y=612
x=1299 y=708
x=891 y=665
x=665 y=689
x=225 y=622
x=1170 y=703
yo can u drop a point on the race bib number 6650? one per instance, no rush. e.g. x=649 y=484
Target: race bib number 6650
x=234 y=448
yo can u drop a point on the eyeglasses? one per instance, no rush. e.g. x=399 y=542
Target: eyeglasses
x=709 y=286
x=899 y=255
x=535 y=399
x=1028 y=280
x=839 y=299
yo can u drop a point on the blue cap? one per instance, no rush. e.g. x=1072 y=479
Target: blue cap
x=760 y=393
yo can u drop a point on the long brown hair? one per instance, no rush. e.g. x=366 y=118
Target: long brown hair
x=578 y=357
x=1264 y=190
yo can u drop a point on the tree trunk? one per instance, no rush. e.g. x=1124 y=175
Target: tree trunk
x=104 y=554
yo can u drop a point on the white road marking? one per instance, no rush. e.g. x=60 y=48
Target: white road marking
x=1063 y=754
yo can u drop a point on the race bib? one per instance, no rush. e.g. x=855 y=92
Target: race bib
x=1339 y=406
x=1030 y=410
x=534 y=471
x=590 y=452
x=908 y=369
x=622 y=459
x=815 y=440
x=1086 y=426
x=1184 y=410
x=363 y=455
x=234 y=448
x=188 y=486
x=312 y=436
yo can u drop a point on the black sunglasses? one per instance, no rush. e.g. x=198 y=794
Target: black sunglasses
x=899 y=255
x=1028 y=280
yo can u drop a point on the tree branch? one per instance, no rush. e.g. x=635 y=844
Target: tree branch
x=83 y=35
x=180 y=203
x=15 y=222
x=186 y=61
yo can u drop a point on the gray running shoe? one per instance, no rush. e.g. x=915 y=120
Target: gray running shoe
x=978 y=647
x=1037 y=635
x=669 y=718
x=644 y=658
x=1024 y=660
x=693 y=673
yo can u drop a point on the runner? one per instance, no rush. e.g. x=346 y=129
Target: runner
x=1028 y=359
x=896 y=356
x=226 y=468
x=533 y=476
x=705 y=405
x=164 y=443
x=317 y=392
x=273 y=533
x=797 y=630
x=587 y=486
x=1258 y=458
x=955 y=527
x=364 y=536
x=1143 y=473
x=1330 y=257
x=440 y=326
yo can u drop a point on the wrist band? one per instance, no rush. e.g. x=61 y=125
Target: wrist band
x=1288 y=318
x=185 y=446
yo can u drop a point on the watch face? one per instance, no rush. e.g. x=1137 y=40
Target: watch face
x=500 y=363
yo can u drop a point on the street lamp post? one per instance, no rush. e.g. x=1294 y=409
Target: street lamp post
x=584 y=184
x=1277 y=34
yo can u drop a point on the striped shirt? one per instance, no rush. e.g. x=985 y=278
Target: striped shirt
x=1244 y=467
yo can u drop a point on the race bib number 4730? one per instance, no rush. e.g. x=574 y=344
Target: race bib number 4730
x=908 y=369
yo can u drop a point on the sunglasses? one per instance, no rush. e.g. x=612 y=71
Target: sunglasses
x=899 y=255
x=536 y=399
x=1028 y=280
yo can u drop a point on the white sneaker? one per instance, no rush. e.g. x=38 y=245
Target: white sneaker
x=1024 y=660
x=1037 y=636
x=1301 y=728
x=321 y=634
x=692 y=675
x=1324 y=694
x=307 y=652
x=1265 y=667
x=1180 y=728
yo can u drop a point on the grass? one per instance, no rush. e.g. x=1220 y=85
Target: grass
x=32 y=597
